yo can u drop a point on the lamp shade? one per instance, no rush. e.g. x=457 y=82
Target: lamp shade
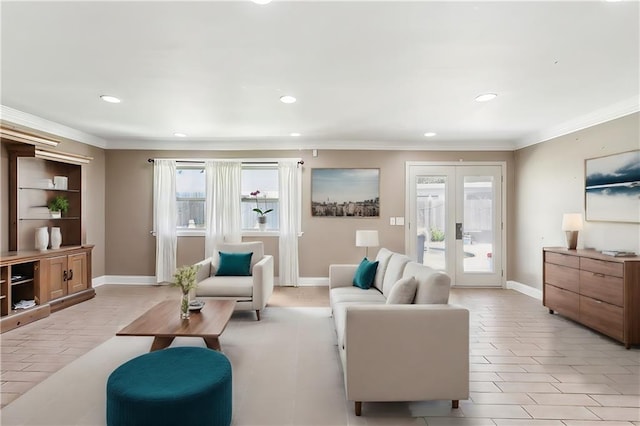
x=572 y=222
x=367 y=239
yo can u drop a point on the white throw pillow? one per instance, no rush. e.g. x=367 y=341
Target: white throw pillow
x=403 y=291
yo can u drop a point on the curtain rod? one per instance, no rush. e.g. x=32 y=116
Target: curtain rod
x=180 y=160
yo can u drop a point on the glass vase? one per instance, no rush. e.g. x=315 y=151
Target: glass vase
x=184 y=306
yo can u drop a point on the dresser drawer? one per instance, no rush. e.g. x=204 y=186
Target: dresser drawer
x=602 y=267
x=563 y=301
x=604 y=317
x=562 y=259
x=602 y=287
x=562 y=276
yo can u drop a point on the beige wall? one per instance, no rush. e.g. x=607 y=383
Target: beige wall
x=130 y=247
x=550 y=181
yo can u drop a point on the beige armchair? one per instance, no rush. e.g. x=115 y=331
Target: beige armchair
x=251 y=292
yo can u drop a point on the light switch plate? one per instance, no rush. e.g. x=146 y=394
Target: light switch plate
x=400 y=221
x=392 y=221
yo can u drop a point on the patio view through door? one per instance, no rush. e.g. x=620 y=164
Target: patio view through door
x=455 y=221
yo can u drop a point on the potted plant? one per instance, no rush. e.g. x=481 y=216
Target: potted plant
x=185 y=279
x=58 y=205
x=262 y=218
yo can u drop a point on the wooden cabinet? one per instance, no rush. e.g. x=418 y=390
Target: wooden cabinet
x=601 y=292
x=53 y=279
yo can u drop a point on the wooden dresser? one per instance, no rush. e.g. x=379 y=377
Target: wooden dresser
x=598 y=291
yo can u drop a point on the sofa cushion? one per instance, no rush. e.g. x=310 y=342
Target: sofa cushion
x=382 y=258
x=393 y=272
x=433 y=286
x=365 y=274
x=403 y=292
x=234 y=264
x=255 y=247
x=340 y=317
x=225 y=286
x=355 y=294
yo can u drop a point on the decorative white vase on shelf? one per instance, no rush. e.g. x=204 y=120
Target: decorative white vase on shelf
x=56 y=237
x=42 y=238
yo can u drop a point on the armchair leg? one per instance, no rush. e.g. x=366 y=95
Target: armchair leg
x=258 y=314
x=454 y=403
x=358 y=408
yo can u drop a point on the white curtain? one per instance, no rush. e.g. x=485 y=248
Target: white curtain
x=289 y=197
x=165 y=218
x=222 y=205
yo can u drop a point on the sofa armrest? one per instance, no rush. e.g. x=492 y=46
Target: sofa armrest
x=423 y=347
x=262 y=282
x=341 y=275
x=204 y=270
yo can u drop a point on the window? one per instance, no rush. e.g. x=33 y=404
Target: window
x=191 y=193
x=263 y=178
x=190 y=196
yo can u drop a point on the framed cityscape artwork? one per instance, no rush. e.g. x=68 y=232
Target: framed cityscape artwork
x=612 y=188
x=345 y=192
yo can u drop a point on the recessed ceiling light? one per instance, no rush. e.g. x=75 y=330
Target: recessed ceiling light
x=287 y=99
x=180 y=135
x=110 y=99
x=294 y=134
x=261 y=1
x=430 y=134
x=486 y=97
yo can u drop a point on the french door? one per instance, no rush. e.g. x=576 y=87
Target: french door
x=455 y=221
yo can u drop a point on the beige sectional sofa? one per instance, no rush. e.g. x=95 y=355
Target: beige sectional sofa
x=400 y=352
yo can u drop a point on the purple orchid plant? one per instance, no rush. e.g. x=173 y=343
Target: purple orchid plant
x=258 y=209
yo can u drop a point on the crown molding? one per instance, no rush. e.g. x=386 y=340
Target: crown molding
x=19 y=118
x=283 y=144
x=602 y=115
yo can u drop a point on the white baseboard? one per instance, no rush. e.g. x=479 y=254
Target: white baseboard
x=525 y=289
x=151 y=280
x=313 y=281
x=124 y=280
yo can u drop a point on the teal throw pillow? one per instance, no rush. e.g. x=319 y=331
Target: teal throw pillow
x=234 y=264
x=365 y=274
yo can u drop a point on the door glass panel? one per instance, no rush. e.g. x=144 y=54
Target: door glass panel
x=478 y=236
x=431 y=221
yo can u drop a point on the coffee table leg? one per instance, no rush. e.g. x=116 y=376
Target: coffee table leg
x=212 y=343
x=160 y=343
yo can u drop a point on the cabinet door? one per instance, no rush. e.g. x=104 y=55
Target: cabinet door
x=77 y=273
x=54 y=274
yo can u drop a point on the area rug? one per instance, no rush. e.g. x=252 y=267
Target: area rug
x=285 y=371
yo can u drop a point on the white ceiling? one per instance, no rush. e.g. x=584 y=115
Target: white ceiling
x=366 y=74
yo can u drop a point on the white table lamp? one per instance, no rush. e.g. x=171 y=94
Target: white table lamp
x=367 y=239
x=571 y=224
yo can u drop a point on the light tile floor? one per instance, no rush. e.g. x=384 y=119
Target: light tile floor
x=527 y=367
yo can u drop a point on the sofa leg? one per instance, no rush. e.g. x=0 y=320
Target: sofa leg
x=358 y=408
x=258 y=314
x=454 y=403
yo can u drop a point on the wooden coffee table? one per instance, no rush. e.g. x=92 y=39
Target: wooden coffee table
x=164 y=324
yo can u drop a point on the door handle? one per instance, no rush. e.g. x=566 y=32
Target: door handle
x=458 y=231
x=70 y=274
x=64 y=276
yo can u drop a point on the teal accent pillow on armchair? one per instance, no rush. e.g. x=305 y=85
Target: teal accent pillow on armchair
x=365 y=274
x=234 y=264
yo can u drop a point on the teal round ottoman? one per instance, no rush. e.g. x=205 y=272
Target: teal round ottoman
x=175 y=386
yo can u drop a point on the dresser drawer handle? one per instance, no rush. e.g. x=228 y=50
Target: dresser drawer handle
x=597 y=301
x=596 y=274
